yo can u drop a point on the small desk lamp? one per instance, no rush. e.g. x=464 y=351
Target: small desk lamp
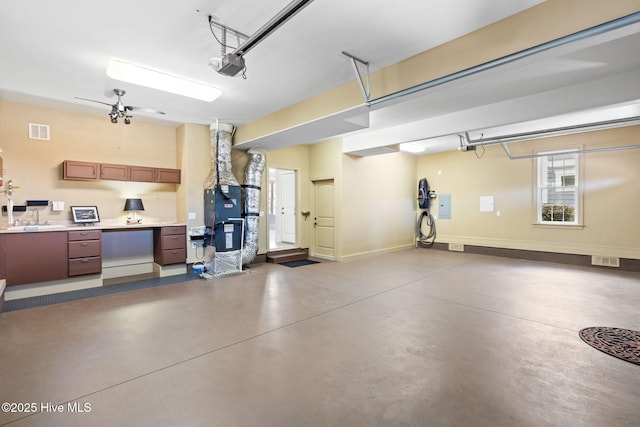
x=133 y=205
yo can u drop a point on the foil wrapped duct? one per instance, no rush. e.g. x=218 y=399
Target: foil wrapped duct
x=220 y=141
x=223 y=145
x=209 y=255
x=212 y=178
x=226 y=263
x=251 y=202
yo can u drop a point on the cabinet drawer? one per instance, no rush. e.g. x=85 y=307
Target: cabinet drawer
x=80 y=266
x=170 y=229
x=84 y=235
x=177 y=241
x=174 y=256
x=85 y=248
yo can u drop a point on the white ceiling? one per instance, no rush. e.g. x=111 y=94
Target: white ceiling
x=55 y=51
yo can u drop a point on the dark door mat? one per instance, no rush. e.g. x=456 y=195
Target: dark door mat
x=298 y=263
x=621 y=343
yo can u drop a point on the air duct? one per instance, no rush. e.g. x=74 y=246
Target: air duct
x=223 y=140
x=231 y=211
x=223 y=253
x=251 y=202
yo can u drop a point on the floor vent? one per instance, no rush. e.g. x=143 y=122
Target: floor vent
x=37 y=131
x=456 y=247
x=605 y=261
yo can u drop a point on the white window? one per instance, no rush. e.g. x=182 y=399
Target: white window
x=558 y=188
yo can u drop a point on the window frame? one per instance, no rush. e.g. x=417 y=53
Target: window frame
x=543 y=156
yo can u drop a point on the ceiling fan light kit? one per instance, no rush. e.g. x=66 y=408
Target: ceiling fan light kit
x=119 y=110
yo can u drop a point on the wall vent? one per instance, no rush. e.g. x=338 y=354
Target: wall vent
x=37 y=131
x=456 y=247
x=605 y=261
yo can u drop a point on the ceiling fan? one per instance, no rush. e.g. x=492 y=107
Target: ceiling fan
x=119 y=110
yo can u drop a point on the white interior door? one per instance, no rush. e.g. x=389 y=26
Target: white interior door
x=288 y=206
x=282 y=209
x=324 y=219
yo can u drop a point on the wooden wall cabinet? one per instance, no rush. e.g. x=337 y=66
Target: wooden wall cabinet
x=114 y=172
x=168 y=176
x=85 y=252
x=92 y=171
x=170 y=245
x=35 y=257
x=142 y=174
x=80 y=170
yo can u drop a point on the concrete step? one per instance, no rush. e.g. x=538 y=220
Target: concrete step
x=287 y=255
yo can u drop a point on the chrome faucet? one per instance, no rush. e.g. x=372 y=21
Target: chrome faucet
x=37 y=215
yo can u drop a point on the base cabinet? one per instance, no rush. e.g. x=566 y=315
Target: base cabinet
x=35 y=257
x=85 y=252
x=170 y=245
x=44 y=256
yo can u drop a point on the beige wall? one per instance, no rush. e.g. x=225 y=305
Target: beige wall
x=378 y=203
x=611 y=196
x=374 y=196
x=36 y=166
x=195 y=162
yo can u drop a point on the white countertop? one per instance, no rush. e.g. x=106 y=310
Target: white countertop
x=75 y=227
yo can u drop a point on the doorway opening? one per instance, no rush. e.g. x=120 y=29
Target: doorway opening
x=282 y=209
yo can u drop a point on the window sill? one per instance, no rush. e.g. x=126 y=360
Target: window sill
x=560 y=226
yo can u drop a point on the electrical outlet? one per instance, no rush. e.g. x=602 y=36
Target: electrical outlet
x=605 y=261
x=457 y=247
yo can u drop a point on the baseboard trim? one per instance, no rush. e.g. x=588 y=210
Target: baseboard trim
x=626 y=264
x=358 y=255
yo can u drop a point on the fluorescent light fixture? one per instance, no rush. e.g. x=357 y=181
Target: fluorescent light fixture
x=411 y=147
x=130 y=73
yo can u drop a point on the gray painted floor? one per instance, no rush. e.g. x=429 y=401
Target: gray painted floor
x=413 y=338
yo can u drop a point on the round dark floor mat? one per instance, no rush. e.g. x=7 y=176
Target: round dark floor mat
x=621 y=343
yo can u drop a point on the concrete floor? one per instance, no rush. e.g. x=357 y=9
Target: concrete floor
x=413 y=338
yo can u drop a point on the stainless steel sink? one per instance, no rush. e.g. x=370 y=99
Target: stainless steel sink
x=35 y=227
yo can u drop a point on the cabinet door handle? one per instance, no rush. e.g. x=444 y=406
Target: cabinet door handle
x=84 y=244
x=85 y=260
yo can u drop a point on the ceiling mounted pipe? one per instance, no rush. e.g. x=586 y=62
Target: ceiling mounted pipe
x=615 y=24
x=586 y=151
x=545 y=133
